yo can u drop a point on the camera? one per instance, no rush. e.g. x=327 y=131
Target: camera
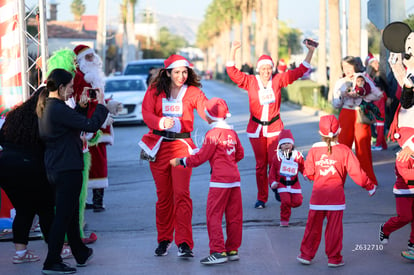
x=92 y=93
x=311 y=43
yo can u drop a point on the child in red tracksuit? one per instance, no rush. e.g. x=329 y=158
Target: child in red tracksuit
x=327 y=164
x=404 y=201
x=283 y=175
x=222 y=148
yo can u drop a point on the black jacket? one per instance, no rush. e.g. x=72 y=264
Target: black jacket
x=60 y=128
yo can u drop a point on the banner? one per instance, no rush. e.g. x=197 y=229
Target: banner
x=11 y=90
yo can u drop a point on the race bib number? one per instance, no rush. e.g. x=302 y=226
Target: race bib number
x=172 y=108
x=266 y=96
x=288 y=168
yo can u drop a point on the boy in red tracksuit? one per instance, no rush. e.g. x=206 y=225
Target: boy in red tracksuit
x=328 y=163
x=283 y=175
x=404 y=201
x=222 y=148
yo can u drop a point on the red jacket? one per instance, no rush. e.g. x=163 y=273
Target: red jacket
x=329 y=174
x=404 y=185
x=222 y=148
x=267 y=111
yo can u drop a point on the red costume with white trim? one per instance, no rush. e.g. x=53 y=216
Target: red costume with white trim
x=283 y=175
x=174 y=205
x=264 y=124
x=223 y=149
x=329 y=171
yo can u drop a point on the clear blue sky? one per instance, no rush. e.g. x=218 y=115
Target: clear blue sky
x=304 y=18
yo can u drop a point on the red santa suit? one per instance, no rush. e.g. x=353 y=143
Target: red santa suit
x=174 y=205
x=404 y=199
x=222 y=148
x=264 y=124
x=283 y=175
x=329 y=170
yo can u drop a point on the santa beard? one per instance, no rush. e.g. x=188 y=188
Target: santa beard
x=93 y=73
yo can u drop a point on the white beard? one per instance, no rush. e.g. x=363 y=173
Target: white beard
x=93 y=72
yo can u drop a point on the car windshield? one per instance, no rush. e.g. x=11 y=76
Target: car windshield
x=113 y=86
x=141 y=69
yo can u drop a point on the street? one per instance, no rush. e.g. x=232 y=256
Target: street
x=127 y=234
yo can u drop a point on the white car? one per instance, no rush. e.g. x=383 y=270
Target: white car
x=130 y=91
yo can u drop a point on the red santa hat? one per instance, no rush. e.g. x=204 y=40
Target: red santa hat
x=286 y=136
x=329 y=126
x=264 y=60
x=81 y=51
x=216 y=109
x=370 y=58
x=175 y=61
x=282 y=66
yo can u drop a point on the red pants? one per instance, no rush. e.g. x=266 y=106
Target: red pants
x=333 y=235
x=360 y=133
x=379 y=125
x=225 y=201
x=405 y=215
x=264 y=149
x=289 y=201
x=174 y=207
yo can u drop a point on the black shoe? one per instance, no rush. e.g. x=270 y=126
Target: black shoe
x=88 y=206
x=98 y=209
x=259 y=205
x=184 y=251
x=59 y=268
x=382 y=237
x=86 y=261
x=162 y=249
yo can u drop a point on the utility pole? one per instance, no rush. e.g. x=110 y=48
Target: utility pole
x=101 y=33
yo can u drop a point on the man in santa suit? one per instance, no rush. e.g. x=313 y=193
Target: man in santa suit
x=89 y=74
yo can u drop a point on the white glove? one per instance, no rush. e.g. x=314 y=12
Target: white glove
x=114 y=107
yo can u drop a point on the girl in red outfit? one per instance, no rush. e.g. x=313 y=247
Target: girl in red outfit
x=222 y=148
x=327 y=164
x=283 y=175
x=349 y=100
x=264 y=103
x=168 y=111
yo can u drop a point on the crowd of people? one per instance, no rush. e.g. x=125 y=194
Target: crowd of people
x=65 y=126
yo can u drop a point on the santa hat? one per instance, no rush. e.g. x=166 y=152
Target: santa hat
x=282 y=66
x=329 y=126
x=264 y=60
x=175 y=61
x=370 y=58
x=81 y=51
x=285 y=136
x=216 y=109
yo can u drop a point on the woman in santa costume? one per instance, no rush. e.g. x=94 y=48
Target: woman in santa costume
x=168 y=111
x=283 y=175
x=264 y=103
x=327 y=164
x=349 y=101
x=222 y=148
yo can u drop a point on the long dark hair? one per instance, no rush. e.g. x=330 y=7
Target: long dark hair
x=57 y=78
x=356 y=62
x=21 y=124
x=162 y=81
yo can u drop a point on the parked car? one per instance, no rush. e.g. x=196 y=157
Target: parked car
x=130 y=91
x=142 y=67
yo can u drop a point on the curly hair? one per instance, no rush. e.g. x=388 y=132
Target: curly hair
x=21 y=124
x=162 y=82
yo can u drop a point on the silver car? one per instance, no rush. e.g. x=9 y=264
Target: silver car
x=130 y=91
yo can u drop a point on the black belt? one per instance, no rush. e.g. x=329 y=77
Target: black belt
x=288 y=182
x=171 y=135
x=265 y=123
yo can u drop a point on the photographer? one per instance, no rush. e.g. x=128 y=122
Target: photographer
x=60 y=127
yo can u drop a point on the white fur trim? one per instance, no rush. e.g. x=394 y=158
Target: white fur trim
x=286 y=140
x=225 y=184
x=331 y=134
x=179 y=63
x=230 y=63
x=327 y=207
x=264 y=62
x=83 y=53
x=98 y=183
x=409 y=142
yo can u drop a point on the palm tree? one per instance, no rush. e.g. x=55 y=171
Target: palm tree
x=259 y=22
x=334 y=45
x=78 y=9
x=322 y=77
x=354 y=28
x=246 y=8
x=274 y=31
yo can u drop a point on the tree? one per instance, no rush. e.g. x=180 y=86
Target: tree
x=354 y=28
x=78 y=9
x=335 y=46
x=322 y=74
x=169 y=43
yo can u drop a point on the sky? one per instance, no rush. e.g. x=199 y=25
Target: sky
x=304 y=18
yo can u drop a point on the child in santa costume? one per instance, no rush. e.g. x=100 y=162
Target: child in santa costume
x=168 y=111
x=283 y=175
x=327 y=164
x=264 y=91
x=222 y=148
